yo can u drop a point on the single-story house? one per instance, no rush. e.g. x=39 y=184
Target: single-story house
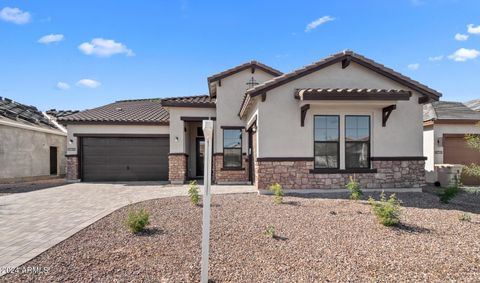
x=445 y=125
x=312 y=128
x=32 y=144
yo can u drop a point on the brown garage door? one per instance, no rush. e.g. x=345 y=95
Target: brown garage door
x=125 y=158
x=457 y=151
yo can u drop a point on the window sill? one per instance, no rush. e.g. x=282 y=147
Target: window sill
x=232 y=169
x=342 y=171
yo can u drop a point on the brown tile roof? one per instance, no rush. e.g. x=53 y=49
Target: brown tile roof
x=449 y=110
x=332 y=59
x=141 y=111
x=25 y=114
x=200 y=101
x=242 y=67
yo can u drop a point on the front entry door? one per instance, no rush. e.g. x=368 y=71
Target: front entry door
x=200 y=155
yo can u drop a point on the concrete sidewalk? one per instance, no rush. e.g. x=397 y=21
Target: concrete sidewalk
x=31 y=223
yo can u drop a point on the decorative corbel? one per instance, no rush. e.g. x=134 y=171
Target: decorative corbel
x=219 y=82
x=303 y=114
x=264 y=96
x=386 y=111
x=346 y=62
x=423 y=99
x=253 y=69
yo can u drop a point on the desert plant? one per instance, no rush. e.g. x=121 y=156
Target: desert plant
x=354 y=187
x=276 y=188
x=270 y=231
x=448 y=194
x=137 y=220
x=473 y=141
x=465 y=217
x=387 y=211
x=193 y=193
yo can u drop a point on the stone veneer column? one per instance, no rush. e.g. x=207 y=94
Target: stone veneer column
x=177 y=168
x=72 y=168
x=391 y=174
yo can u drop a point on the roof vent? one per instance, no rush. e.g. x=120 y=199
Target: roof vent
x=119 y=109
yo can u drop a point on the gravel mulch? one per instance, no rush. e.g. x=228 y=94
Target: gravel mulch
x=25 y=187
x=319 y=239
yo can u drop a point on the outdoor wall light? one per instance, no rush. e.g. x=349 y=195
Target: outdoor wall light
x=176 y=139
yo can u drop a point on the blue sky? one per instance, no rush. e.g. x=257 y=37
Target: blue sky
x=96 y=52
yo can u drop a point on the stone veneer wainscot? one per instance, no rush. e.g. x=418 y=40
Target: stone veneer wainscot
x=298 y=175
x=177 y=168
x=229 y=176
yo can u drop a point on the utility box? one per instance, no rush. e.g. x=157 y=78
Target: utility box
x=448 y=174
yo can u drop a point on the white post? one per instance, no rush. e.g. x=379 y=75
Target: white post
x=207 y=133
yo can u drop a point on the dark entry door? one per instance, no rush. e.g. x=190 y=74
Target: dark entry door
x=251 y=155
x=125 y=158
x=200 y=155
x=53 y=160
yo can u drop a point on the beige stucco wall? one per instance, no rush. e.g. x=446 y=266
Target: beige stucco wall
x=26 y=153
x=110 y=129
x=178 y=137
x=229 y=99
x=280 y=134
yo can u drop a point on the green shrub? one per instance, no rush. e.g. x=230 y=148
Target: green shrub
x=465 y=217
x=270 y=231
x=448 y=194
x=193 y=193
x=387 y=211
x=276 y=188
x=137 y=220
x=354 y=188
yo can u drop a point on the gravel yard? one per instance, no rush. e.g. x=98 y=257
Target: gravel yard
x=319 y=239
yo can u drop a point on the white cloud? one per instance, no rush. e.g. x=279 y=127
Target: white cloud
x=88 y=83
x=473 y=29
x=15 y=15
x=414 y=66
x=318 y=22
x=463 y=54
x=63 y=86
x=436 y=58
x=46 y=39
x=104 y=48
x=461 y=37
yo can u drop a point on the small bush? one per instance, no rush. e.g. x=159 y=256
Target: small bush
x=465 y=217
x=387 y=211
x=354 y=188
x=270 y=231
x=193 y=193
x=448 y=194
x=276 y=188
x=137 y=220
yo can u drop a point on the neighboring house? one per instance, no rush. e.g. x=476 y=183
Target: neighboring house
x=474 y=104
x=312 y=128
x=32 y=144
x=445 y=125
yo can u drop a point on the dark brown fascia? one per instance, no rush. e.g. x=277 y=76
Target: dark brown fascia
x=397 y=158
x=232 y=127
x=459 y=135
x=188 y=104
x=249 y=65
x=196 y=119
x=341 y=57
x=355 y=96
x=90 y=122
x=450 y=121
x=122 y=135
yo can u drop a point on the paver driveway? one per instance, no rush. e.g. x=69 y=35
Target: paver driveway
x=30 y=223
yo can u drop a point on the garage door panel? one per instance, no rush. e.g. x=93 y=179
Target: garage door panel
x=457 y=151
x=125 y=159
